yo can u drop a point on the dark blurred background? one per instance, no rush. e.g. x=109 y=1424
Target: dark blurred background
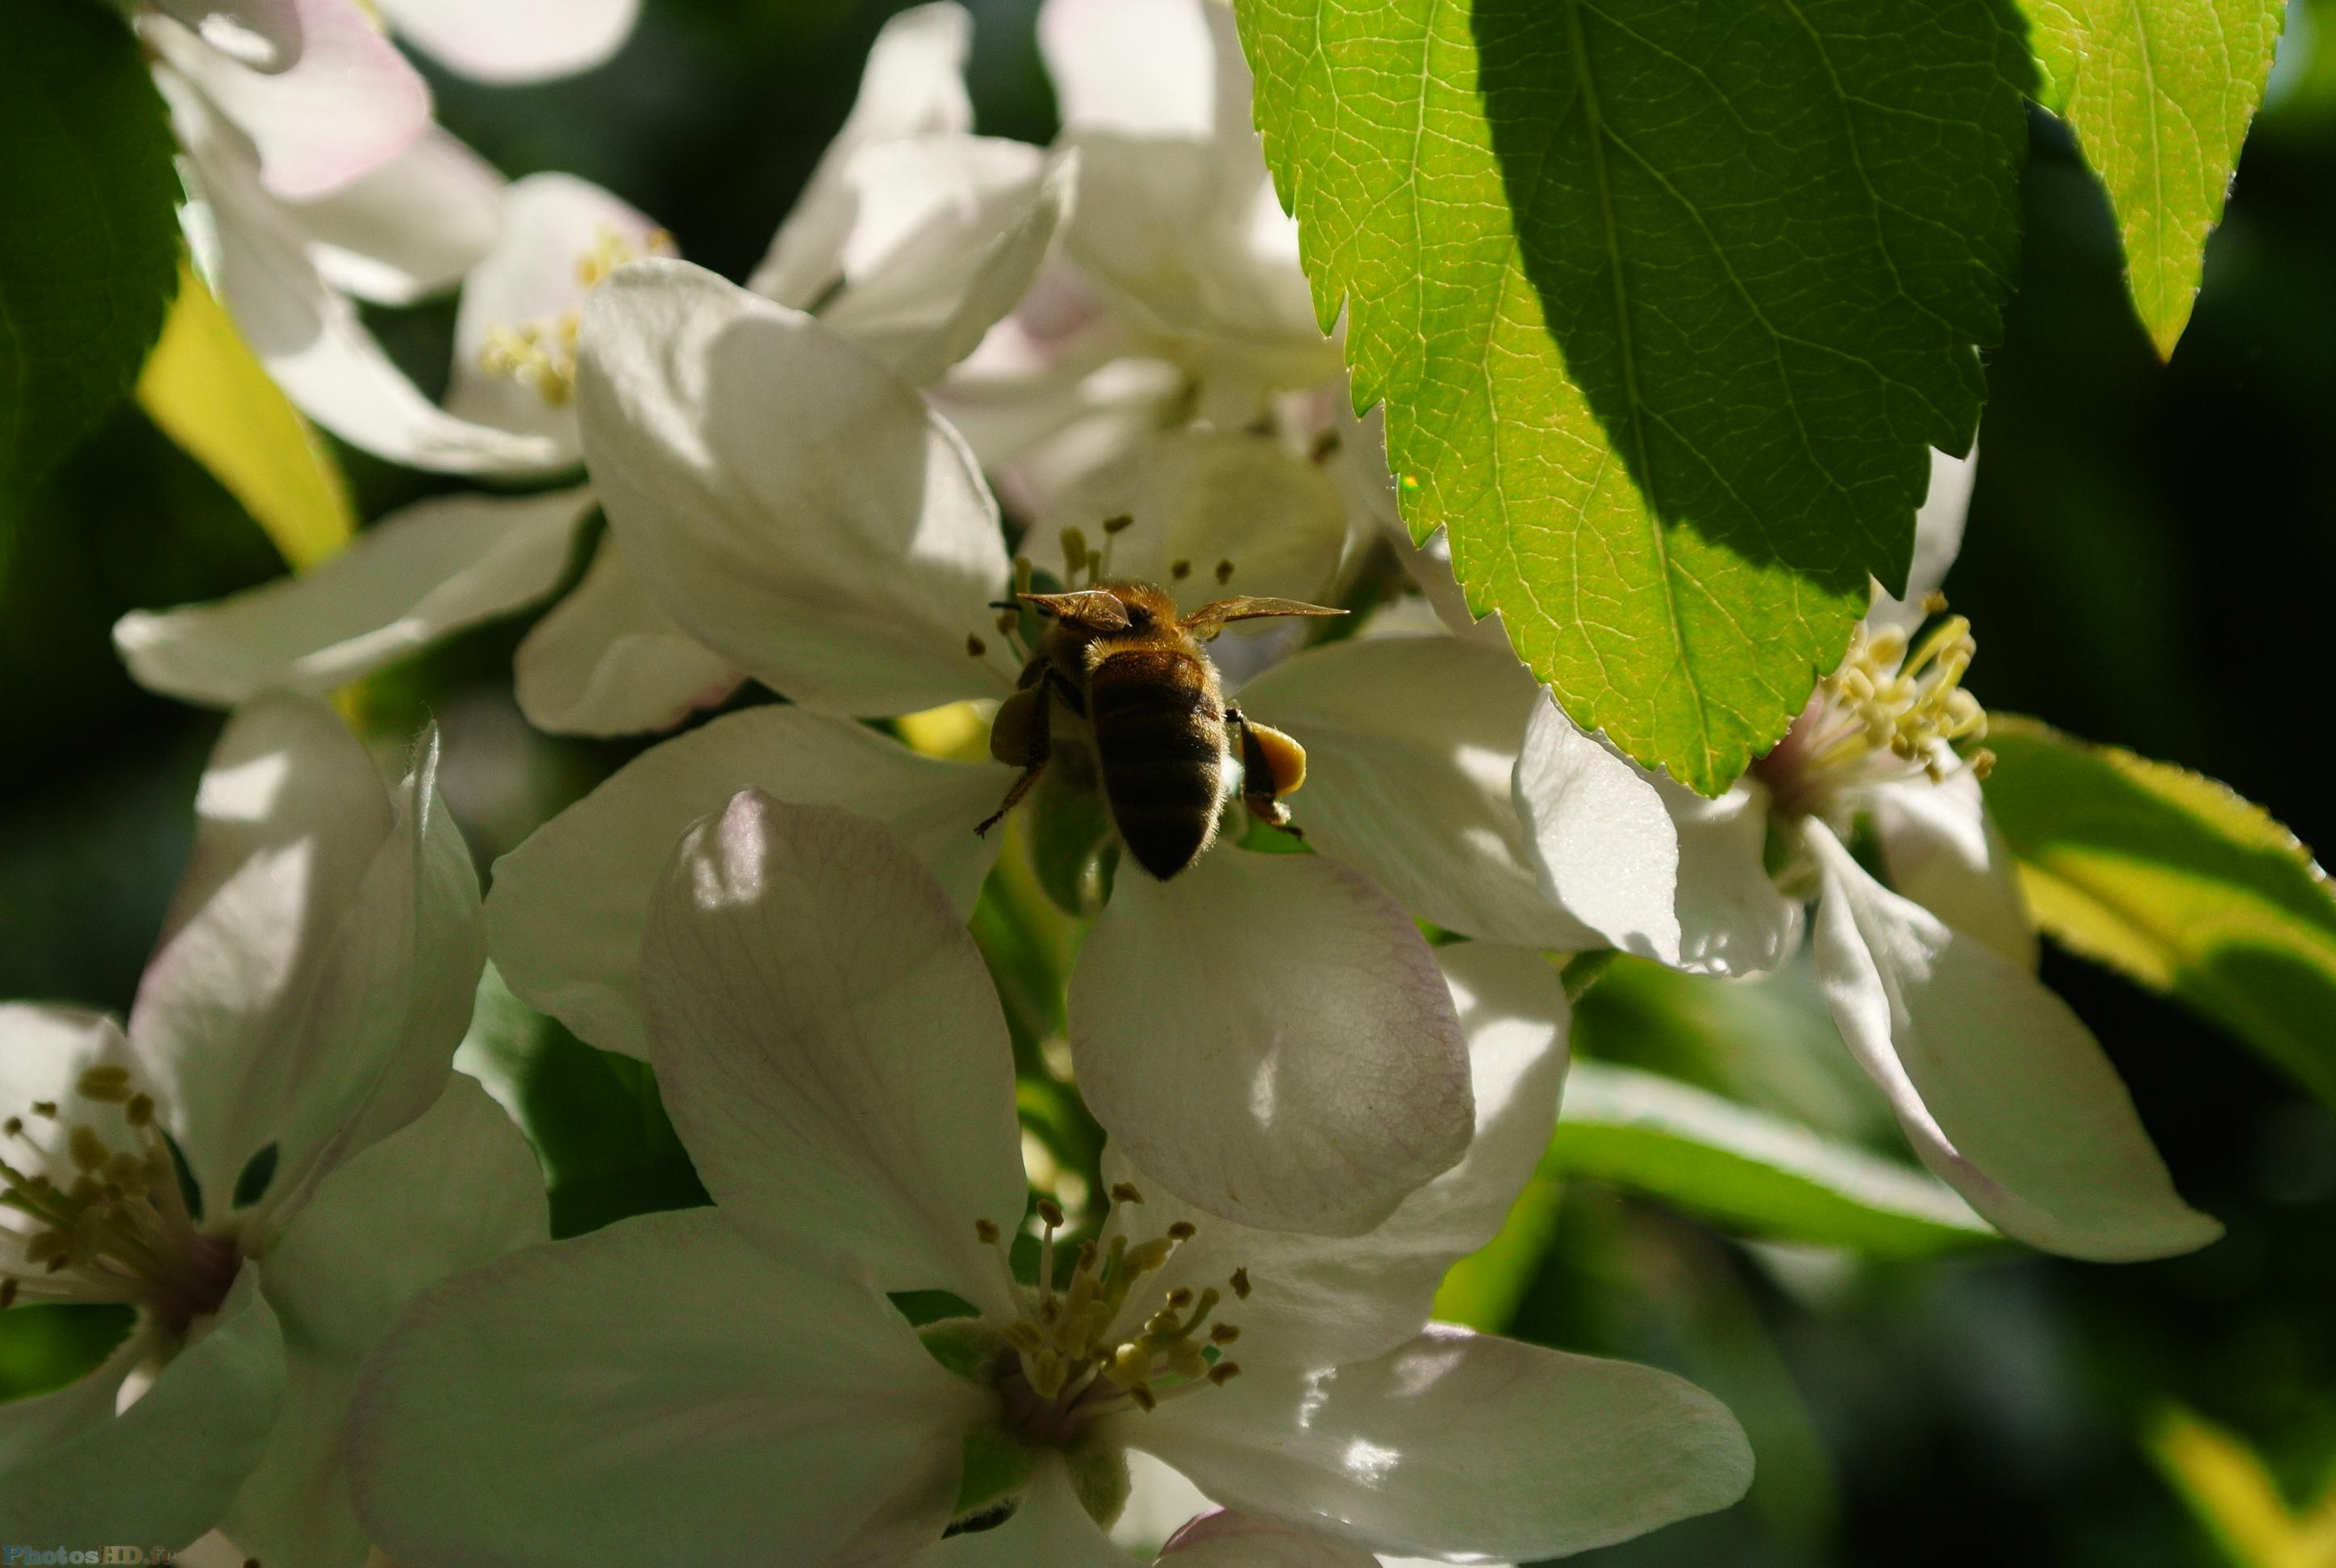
x=2146 y=564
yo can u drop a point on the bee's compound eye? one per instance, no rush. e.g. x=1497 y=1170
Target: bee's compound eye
x=1284 y=758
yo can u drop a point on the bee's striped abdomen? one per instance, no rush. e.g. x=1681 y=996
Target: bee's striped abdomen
x=1160 y=738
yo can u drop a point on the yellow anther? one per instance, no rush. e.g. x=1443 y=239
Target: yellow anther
x=1144 y=1398
x=1182 y=1231
x=1050 y=1214
x=1125 y=1193
x=13 y=1126
x=1180 y=570
x=1119 y=524
x=975 y=645
x=1224 y=572
x=48 y=1108
x=986 y=1233
x=1224 y=1373
x=139 y=1111
x=1222 y=1333
x=1239 y=1283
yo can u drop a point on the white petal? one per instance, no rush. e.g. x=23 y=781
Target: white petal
x=570 y=905
x=1942 y=849
x=1460 y=1444
x=913 y=85
x=1049 y=1529
x=948 y=232
x=606 y=661
x=317 y=969
x=788 y=500
x=264 y=35
x=1601 y=839
x=1199 y=498
x=1937 y=540
x=1732 y=919
x=409 y=229
x=830 y=1044
x=348 y=103
x=1147 y=67
x=1318 y=1301
x=1999 y=1087
x=308 y=335
x=552 y=224
x=1410 y=745
x=414 y=577
x=1160 y=1502
x=663 y=1380
x=1318 y=1117
x=457 y=1189
x=1222 y=1539
x=514 y=39
x=73 y=1471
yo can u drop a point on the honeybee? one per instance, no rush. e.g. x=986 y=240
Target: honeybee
x=1121 y=659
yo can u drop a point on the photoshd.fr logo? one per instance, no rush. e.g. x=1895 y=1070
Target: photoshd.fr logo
x=22 y=1556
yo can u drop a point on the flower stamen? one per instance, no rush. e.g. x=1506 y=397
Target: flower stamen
x=540 y=354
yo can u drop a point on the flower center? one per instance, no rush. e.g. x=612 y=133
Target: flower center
x=119 y=1228
x=540 y=354
x=1889 y=712
x=1078 y=1352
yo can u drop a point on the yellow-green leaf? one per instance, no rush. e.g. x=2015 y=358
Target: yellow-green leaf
x=2159 y=93
x=2234 y=1496
x=2178 y=882
x=202 y=385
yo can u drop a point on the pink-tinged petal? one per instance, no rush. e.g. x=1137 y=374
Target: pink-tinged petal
x=347 y=105
x=790 y=501
x=1941 y=850
x=508 y=41
x=264 y=35
x=570 y=905
x=409 y=229
x=309 y=335
x=75 y=1470
x=1999 y=1087
x=414 y=578
x=662 y=1380
x=1459 y=1446
x=556 y=230
x=1268 y=1038
x=1316 y=1301
x=830 y=1044
x=606 y=661
x=1222 y=1539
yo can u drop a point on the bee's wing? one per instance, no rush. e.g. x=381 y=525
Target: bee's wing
x=1205 y=621
x=1092 y=608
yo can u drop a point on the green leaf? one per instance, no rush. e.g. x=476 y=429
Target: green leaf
x=1668 y=303
x=598 y=1128
x=89 y=253
x=1484 y=1290
x=2159 y=93
x=1748 y=1170
x=2178 y=882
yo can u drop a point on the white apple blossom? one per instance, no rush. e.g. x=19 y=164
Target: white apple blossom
x=266 y=1164
x=912 y=236
x=799 y=509
x=1928 y=968
x=510 y=40
x=835 y=1057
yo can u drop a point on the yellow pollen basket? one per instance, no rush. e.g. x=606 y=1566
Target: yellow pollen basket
x=119 y=1229
x=1073 y=1347
x=540 y=354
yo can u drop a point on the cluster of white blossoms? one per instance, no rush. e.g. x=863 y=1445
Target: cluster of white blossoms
x=1013 y=432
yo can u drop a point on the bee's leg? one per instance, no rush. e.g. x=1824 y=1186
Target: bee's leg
x=1036 y=743
x=1268 y=771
